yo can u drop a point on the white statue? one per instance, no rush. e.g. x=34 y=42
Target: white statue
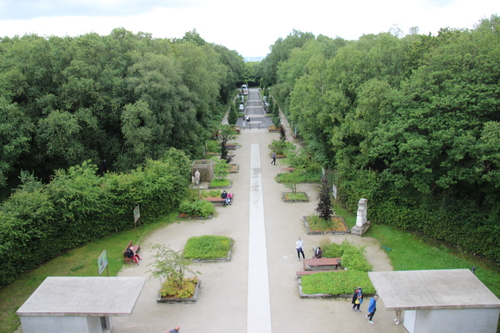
x=362 y=212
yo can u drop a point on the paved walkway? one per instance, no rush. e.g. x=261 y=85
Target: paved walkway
x=257 y=290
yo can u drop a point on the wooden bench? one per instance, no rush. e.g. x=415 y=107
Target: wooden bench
x=289 y=169
x=313 y=263
x=217 y=200
x=135 y=248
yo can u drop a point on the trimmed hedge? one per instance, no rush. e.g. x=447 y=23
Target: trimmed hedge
x=39 y=221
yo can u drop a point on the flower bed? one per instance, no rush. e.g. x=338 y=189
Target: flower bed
x=294 y=197
x=314 y=226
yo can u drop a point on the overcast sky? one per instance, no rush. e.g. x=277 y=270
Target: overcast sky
x=249 y=27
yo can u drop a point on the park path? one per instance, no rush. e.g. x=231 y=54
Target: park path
x=234 y=295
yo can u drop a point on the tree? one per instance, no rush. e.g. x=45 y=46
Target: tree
x=224 y=134
x=221 y=169
x=169 y=265
x=232 y=117
x=324 y=207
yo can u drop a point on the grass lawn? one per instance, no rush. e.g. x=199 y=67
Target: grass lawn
x=81 y=261
x=207 y=247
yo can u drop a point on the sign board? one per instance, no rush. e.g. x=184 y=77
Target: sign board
x=334 y=191
x=137 y=214
x=102 y=262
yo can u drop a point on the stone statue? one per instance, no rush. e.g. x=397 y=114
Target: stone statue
x=362 y=212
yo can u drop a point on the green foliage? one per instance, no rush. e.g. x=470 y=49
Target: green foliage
x=40 y=221
x=324 y=207
x=220 y=183
x=281 y=147
x=186 y=290
x=232 y=117
x=202 y=208
x=125 y=98
x=169 y=265
x=409 y=123
x=221 y=169
x=207 y=247
x=290 y=180
x=352 y=256
x=337 y=283
x=213 y=146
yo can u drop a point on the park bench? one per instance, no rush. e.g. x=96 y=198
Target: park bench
x=135 y=248
x=321 y=263
x=217 y=200
x=289 y=169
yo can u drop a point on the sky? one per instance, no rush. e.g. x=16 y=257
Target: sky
x=250 y=27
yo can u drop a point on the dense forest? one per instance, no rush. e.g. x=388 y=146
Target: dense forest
x=92 y=126
x=410 y=122
x=123 y=98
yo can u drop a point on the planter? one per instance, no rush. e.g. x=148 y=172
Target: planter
x=341 y=231
x=319 y=296
x=284 y=197
x=273 y=129
x=233 y=168
x=193 y=299
x=184 y=216
x=221 y=187
x=231 y=146
x=225 y=259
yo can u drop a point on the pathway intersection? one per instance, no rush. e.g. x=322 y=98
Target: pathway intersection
x=257 y=290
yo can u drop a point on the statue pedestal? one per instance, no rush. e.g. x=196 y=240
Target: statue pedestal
x=361 y=230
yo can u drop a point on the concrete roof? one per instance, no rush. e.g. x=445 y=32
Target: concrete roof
x=84 y=296
x=433 y=289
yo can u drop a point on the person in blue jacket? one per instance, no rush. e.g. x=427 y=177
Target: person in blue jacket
x=372 y=308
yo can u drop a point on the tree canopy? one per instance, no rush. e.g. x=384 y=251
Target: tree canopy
x=122 y=98
x=412 y=123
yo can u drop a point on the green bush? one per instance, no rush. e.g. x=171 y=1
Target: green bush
x=77 y=206
x=220 y=182
x=336 y=283
x=213 y=146
x=202 y=208
x=207 y=247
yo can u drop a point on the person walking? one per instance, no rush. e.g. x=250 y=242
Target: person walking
x=273 y=156
x=299 y=246
x=372 y=307
x=357 y=299
x=174 y=330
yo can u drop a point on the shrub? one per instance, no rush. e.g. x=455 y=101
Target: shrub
x=202 y=208
x=336 y=283
x=207 y=247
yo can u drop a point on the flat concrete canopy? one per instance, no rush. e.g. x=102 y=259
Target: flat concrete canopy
x=432 y=290
x=84 y=296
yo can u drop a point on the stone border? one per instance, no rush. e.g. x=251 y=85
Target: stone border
x=283 y=197
x=309 y=232
x=225 y=259
x=193 y=299
x=194 y=217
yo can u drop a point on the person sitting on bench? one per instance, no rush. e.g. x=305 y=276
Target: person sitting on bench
x=229 y=198
x=224 y=196
x=134 y=256
x=318 y=253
